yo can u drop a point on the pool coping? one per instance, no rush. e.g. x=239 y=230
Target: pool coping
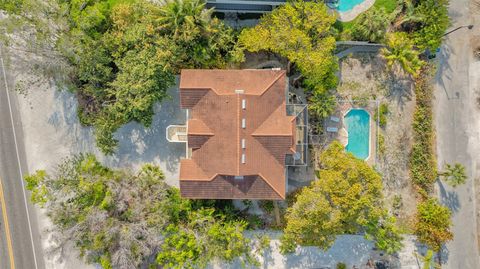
x=369 y=130
x=350 y=15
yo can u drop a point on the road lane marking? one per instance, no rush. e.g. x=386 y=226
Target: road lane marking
x=18 y=160
x=7 y=227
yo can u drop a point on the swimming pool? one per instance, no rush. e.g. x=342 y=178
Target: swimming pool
x=346 y=5
x=357 y=122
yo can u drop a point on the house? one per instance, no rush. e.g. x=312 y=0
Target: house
x=244 y=6
x=238 y=134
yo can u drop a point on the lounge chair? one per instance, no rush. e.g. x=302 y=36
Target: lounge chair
x=332 y=129
x=335 y=119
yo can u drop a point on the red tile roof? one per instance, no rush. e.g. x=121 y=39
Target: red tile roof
x=215 y=134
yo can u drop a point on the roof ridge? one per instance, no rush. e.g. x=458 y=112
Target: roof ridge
x=267 y=120
x=282 y=73
x=271 y=186
x=238 y=134
x=202 y=125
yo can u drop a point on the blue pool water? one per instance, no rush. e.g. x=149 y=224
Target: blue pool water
x=346 y=5
x=357 y=122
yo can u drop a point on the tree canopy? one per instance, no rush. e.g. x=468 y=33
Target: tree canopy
x=433 y=224
x=301 y=32
x=428 y=33
x=400 y=51
x=126 y=56
x=346 y=199
x=119 y=219
x=454 y=174
x=372 y=25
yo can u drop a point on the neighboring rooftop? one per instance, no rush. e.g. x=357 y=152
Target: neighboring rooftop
x=239 y=134
x=244 y=6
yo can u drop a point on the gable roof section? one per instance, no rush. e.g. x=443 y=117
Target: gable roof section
x=222 y=103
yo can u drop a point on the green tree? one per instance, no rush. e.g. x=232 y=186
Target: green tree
x=322 y=104
x=104 y=213
x=433 y=224
x=126 y=56
x=346 y=199
x=454 y=175
x=400 y=51
x=405 y=15
x=199 y=40
x=435 y=21
x=301 y=32
x=372 y=25
x=204 y=239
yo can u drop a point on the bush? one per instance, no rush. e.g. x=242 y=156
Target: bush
x=341 y=265
x=381 y=144
x=422 y=159
x=381 y=115
x=266 y=205
x=433 y=224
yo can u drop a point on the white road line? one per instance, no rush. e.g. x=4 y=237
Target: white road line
x=18 y=159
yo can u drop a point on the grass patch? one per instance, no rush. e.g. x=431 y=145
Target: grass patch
x=389 y=5
x=113 y=3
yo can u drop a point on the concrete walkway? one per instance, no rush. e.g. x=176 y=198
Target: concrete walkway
x=350 y=15
x=366 y=48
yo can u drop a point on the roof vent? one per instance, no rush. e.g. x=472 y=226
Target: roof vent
x=244 y=124
x=243 y=143
x=244 y=104
x=243 y=157
x=239 y=91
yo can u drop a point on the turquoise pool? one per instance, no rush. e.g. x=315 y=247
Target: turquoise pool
x=346 y=5
x=357 y=122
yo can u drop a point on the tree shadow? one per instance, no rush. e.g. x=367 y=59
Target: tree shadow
x=444 y=69
x=449 y=198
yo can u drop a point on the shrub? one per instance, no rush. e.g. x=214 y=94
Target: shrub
x=381 y=144
x=381 y=115
x=433 y=224
x=266 y=205
x=341 y=265
x=422 y=159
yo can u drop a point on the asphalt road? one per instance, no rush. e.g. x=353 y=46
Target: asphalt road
x=20 y=245
x=456 y=119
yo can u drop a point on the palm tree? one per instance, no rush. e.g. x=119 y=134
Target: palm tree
x=322 y=104
x=400 y=51
x=176 y=16
x=455 y=174
x=372 y=25
x=405 y=14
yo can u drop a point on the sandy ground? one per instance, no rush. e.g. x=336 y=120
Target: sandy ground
x=363 y=76
x=353 y=250
x=52 y=132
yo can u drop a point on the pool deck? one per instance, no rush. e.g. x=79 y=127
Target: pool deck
x=350 y=15
x=342 y=134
